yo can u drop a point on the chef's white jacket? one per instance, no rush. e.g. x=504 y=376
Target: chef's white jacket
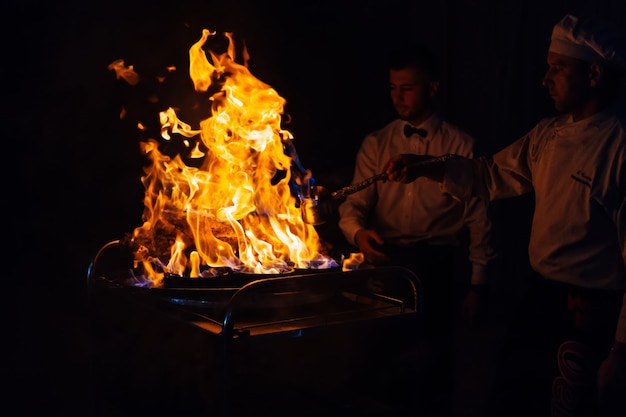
x=577 y=171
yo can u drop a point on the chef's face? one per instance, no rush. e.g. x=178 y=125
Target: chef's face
x=568 y=81
x=412 y=92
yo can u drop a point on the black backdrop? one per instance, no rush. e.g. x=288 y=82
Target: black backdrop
x=78 y=165
x=73 y=167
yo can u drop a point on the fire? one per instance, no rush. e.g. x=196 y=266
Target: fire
x=353 y=261
x=234 y=207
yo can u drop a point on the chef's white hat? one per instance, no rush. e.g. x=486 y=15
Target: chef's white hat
x=588 y=39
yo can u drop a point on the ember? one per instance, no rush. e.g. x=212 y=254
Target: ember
x=235 y=208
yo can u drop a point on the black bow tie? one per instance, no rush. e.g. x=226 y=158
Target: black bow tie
x=410 y=130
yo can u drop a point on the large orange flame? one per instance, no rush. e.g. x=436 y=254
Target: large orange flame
x=231 y=209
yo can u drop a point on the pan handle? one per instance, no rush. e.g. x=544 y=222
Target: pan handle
x=342 y=192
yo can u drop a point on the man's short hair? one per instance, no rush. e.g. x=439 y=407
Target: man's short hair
x=414 y=55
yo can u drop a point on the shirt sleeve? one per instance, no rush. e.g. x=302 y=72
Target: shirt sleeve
x=506 y=174
x=354 y=211
x=476 y=181
x=480 y=249
x=479 y=227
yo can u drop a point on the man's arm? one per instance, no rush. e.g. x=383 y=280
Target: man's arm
x=481 y=255
x=407 y=167
x=506 y=174
x=455 y=173
x=481 y=251
x=355 y=209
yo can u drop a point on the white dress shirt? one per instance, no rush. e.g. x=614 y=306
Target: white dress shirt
x=403 y=214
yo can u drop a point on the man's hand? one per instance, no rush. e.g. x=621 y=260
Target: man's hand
x=408 y=167
x=368 y=241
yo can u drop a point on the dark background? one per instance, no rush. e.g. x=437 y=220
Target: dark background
x=73 y=167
